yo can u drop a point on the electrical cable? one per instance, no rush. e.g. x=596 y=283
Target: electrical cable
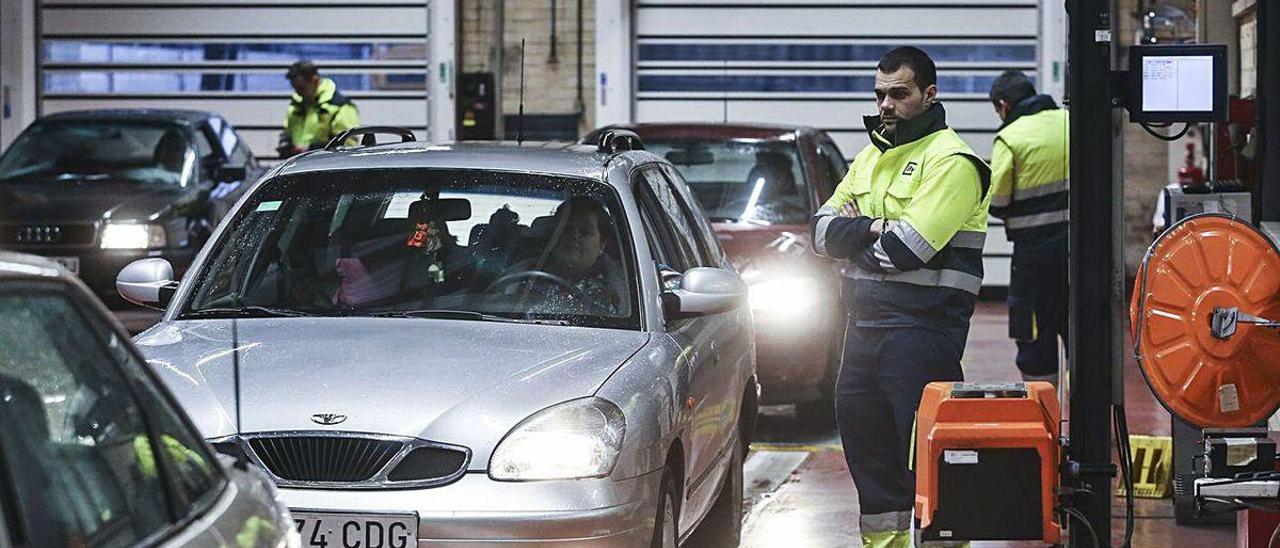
x=1275 y=534
x=1093 y=535
x=1185 y=128
x=1125 y=453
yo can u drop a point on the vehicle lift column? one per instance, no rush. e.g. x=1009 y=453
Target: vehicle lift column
x=1095 y=283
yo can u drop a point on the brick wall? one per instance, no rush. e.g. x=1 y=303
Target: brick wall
x=550 y=84
x=1247 y=17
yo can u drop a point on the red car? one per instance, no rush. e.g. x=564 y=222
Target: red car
x=759 y=184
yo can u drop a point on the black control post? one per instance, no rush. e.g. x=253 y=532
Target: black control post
x=1093 y=262
x=1268 y=96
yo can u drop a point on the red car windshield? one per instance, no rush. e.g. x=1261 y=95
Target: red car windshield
x=741 y=180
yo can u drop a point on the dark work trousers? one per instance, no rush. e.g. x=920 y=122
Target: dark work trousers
x=881 y=380
x=1038 y=306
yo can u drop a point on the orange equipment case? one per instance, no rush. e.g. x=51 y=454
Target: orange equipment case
x=986 y=460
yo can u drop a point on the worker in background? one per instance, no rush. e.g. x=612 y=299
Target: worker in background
x=317 y=112
x=1029 y=169
x=910 y=218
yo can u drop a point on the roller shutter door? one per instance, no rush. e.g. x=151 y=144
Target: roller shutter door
x=813 y=63
x=230 y=57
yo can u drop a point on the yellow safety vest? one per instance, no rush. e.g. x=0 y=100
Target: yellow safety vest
x=312 y=126
x=934 y=187
x=1030 y=169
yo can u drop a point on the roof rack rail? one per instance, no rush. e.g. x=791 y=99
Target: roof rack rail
x=613 y=141
x=368 y=136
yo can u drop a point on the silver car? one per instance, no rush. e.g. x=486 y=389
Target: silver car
x=93 y=450
x=470 y=344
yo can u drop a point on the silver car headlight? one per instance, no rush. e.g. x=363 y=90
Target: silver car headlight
x=132 y=236
x=573 y=440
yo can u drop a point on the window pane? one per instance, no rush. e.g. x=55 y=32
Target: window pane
x=80 y=51
x=100 y=152
x=88 y=474
x=172 y=82
x=705 y=235
x=800 y=83
x=747 y=180
x=510 y=245
x=673 y=225
x=833 y=163
x=192 y=464
x=189 y=458
x=869 y=53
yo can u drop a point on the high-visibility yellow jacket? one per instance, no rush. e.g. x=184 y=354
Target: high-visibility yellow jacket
x=312 y=125
x=934 y=190
x=1030 y=168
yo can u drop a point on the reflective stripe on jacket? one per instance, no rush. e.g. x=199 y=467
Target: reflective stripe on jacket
x=1030 y=166
x=312 y=126
x=933 y=188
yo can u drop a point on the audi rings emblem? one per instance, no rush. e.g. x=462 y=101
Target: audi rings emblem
x=39 y=234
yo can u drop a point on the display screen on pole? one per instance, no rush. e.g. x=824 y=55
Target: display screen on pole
x=1182 y=83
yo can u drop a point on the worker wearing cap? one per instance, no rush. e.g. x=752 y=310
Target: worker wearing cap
x=1029 y=169
x=910 y=219
x=317 y=113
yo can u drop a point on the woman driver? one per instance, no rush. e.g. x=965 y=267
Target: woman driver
x=575 y=253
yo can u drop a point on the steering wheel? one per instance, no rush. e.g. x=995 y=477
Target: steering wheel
x=537 y=275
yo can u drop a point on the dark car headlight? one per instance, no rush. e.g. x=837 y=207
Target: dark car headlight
x=133 y=236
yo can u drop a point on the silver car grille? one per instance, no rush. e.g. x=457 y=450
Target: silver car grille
x=349 y=460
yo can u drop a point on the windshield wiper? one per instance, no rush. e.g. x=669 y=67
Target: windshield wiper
x=459 y=315
x=244 y=312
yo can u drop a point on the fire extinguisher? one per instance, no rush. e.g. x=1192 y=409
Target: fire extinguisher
x=1190 y=176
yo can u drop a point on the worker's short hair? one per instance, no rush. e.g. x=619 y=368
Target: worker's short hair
x=926 y=73
x=1012 y=87
x=304 y=68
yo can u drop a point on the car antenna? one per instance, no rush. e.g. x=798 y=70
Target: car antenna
x=520 y=117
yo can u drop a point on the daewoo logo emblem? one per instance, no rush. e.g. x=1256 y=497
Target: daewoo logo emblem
x=328 y=419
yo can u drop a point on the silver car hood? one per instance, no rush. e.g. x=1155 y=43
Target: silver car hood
x=451 y=381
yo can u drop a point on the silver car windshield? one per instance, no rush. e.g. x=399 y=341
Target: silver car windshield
x=432 y=243
x=741 y=180
x=101 y=151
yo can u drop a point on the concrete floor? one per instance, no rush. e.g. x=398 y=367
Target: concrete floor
x=799 y=493
x=815 y=503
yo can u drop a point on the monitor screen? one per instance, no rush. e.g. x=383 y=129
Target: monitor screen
x=1172 y=83
x=1178 y=83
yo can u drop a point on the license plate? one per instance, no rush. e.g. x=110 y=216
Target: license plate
x=70 y=263
x=337 y=530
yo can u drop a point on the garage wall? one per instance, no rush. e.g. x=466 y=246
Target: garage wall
x=230 y=56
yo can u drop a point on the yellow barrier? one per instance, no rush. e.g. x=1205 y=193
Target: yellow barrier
x=1152 y=467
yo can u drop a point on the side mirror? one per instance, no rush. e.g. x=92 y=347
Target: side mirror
x=704 y=291
x=147 y=282
x=229 y=172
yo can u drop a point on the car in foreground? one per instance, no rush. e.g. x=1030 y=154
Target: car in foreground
x=96 y=190
x=470 y=344
x=93 y=449
x=759 y=184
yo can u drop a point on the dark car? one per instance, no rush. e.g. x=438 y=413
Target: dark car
x=94 y=451
x=96 y=190
x=759 y=184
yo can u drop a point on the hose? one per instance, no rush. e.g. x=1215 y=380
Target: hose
x=1093 y=535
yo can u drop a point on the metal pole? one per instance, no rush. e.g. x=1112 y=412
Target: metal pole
x=1092 y=259
x=1268 y=96
x=497 y=46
